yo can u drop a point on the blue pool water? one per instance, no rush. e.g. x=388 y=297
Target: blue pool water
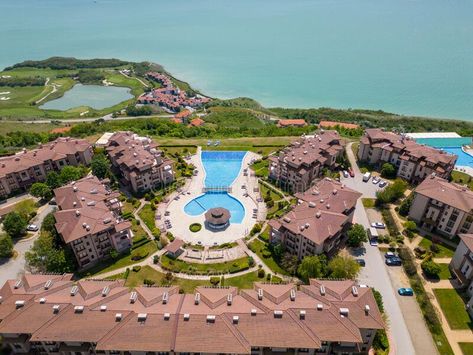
x=221 y=169
x=464 y=159
x=213 y=199
x=445 y=142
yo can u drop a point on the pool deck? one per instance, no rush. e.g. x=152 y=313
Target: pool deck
x=180 y=220
x=433 y=135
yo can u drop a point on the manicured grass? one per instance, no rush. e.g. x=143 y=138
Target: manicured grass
x=177 y=265
x=147 y=216
x=259 y=248
x=261 y=168
x=275 y=196
x=445 y=273
x=7 y=127
x=453 y=308
x=444 y=250
x=264 y=235
x=462 y=178
x=124 y=259
x=368 y=202
x=188 y=286
x=466 y=348
x=195 y=227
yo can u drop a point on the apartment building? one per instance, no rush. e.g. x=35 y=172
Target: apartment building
x=89 y=221
x=413 y=161
x=442 y=207
x=18 y=172
x=140 y=163
x=50 y=314
x=299 y=164
x=462 y=266
x=318 y=223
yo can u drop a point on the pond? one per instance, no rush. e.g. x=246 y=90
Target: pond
x=95 y=96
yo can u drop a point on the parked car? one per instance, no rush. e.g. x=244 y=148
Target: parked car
x=376 y=180
x=405 y=291
x=378 y=225
x=394 y=261
x=382 y=183
x=52 y=202
x=389 y=255
x=32 y=228
x=345 y=174
x=366 y=176
x=351 y=172
x=361 y=262
x=374 y=242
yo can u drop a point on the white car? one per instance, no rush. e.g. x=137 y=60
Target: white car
x=382 y=183
x=378 y=225
x=32 y=228
x=376 y=180
x=345 y=174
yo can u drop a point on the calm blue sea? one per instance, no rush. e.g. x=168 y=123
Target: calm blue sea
x=404 y=56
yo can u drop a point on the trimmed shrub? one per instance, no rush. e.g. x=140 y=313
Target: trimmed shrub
x=136 y=268
x=261 y=273
x=214 y=280
x=195 y=227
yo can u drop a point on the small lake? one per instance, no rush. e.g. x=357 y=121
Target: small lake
x=95 y=96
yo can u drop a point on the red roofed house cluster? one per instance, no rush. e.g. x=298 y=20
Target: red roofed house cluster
x=300 y=163
x=140 y=163
x=414 y=161
x=18 y=172
x=292 y=123
x=318 y=223
x=89 y=221
x=51 y=314
x=170 y=96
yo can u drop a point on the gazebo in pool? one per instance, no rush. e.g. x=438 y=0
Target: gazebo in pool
x=217 y=218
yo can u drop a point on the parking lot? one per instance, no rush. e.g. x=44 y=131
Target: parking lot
x=368 y=189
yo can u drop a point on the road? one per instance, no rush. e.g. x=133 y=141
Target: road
x=14 y=267
x=78 y=120
x=376 y=275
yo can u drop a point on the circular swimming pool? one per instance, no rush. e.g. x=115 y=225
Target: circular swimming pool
x=209 y=200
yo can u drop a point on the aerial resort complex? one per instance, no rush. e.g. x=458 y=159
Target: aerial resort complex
x=172 y=222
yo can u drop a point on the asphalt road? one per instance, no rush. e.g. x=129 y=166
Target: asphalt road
x=11 y=268
x=374 y=274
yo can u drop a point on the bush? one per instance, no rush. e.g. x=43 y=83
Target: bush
x=266 y=253
x=406 y=205
x=138 y=255
x=195 y=227
x=149 y=282
x=388 y=171
x=431 y=268
x=256 y=229
x=251 y=261
x=6 y=246
x=261 y=273
x=408 y=261
x=214 y=280
x=434 y=248
x=127 y=272
x=136 y=268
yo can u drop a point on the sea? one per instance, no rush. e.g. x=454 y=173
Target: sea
x=411 y=57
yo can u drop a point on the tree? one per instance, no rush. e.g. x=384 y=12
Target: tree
x=41 y=190
x=388 y=171
x=44 y=257
x=343 y=267
x=357 y=235
x=391 y=193
x=409 y=228
x=6 y=246
x=310 y=267
x=100 y=166
x=289 y=263
x=405 y=206
x=431 y=268
x=53 y=180
x=14 y=224
x=71 y=173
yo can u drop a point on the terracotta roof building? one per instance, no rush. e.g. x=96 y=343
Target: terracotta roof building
x=139 y=161
x=462 y=266
x=56 y=315
x=300 y=163
x=333 y=124
x=197 y=122
x=217 y=218
x=442 y=207
x=412 y=160
x=292 y=123
x=89 y=221
x=317 y=224
x=18 y=172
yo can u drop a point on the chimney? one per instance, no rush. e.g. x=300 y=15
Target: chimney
x=18 y=284
x=165 y=297
x=105 y=291
x=186 y=316
x=118 y=317
x=293 y=295
x=167 y=316
x=253 y=312
x=320 y=306
x=78 y=309
x=74 y=290
x=210 y=318
x=278 y=314
x=302 y=314
x=133 y=297
x=42 y=300
x=344 y=312
x=236 y=319
x=260 y=294
x=322 y=290
x=197 y=298
x=367 y=309
x=48 y=284
x=354 y=291
x=229 y=299
x=56 y=308
x=142 y=317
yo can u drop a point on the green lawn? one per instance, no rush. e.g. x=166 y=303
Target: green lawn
x=368 y=202
x=261 y=168
x=259 y=247
x=264 y=235
x=147 y=272
x=467 y=348
x=453 y=308
x=147 y=215
x=196 y=268
x=445 y=273
x=462 y=178
x=444 y=250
